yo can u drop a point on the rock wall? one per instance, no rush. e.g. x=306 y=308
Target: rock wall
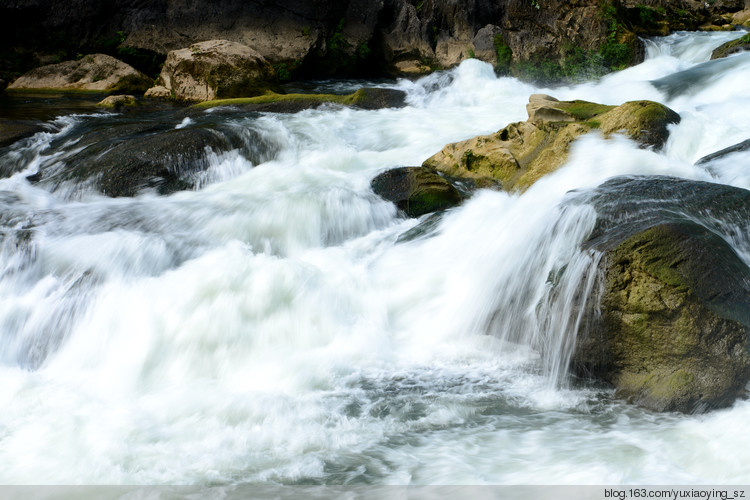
x=355 y=37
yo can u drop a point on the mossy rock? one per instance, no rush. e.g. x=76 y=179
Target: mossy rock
x=740 y=45
x=118 y=102
x=674 y=330
x=517 y=156
x=669 y=324
x=272 y=102
x=416 y=190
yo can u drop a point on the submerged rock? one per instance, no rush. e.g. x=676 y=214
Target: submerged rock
x=521 y=153
x=215 y=69
x=416 y=190
x=94 y=72
x=15 y=130
x=670 y=331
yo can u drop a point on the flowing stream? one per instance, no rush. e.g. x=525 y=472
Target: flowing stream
x=284 y=325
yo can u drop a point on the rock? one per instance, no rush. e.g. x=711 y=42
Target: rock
x=416 y=190
x=364 y=98
x=740 y=45
x=129 y=159
x=673 y=332
x=741 y=18
x=159 y=92
x=215 y=69
x=3 y=84
x=12 y=131
x=378 y=98
x=94 y=72
x=117 y=102
x=670 y=327
x=521 y=153
x=737 y=148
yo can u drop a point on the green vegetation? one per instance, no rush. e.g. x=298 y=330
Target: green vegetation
x=341 y=58
x=504 y=55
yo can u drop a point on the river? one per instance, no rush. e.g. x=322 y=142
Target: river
x=284 y=325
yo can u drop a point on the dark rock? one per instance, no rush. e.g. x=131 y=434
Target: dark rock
x=737 y=148
x=15 y=130
x=670 y=330
x=416 y=190
x=378 y=98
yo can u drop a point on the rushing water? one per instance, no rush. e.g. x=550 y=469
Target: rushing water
x=282 y=324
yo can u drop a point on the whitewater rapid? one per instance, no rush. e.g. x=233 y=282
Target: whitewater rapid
x=283 y=324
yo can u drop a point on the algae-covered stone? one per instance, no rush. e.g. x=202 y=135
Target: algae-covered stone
x=740 y=45
x=673 y=334
x=416 y=190
x=93 y=73
x=521 y=153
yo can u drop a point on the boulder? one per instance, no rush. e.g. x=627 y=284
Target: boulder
x=117 y=102
x=128 y=159
x=521 y=153
x=159 y=92
x=673 y=333
x=215 y=69
x=416 y=190
x=740 y=45
x=94 y=72
x=670 y=327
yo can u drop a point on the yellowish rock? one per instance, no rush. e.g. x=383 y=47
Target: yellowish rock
x=521 y=153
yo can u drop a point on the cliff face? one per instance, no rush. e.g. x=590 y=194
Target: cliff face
x=353 y=37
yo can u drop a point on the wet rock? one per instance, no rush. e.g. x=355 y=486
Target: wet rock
x=521 y=153
x=15 y=130
x=117 y=102
x=674 y=324
x=670 y=328
x=271 y=102
x=740 y=45
x=378 y=98
x=129 y=159
x=737 y=148
x=215 y=69
x=416 y=190
x=94 y=72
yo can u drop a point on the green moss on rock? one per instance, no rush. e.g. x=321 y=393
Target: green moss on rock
x=416 y=190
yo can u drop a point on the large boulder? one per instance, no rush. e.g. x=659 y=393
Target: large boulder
x=215 y=69
x=670 y=328
x=416 y=190
x=521 y=153
x=129 y=159
x=94 y=72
